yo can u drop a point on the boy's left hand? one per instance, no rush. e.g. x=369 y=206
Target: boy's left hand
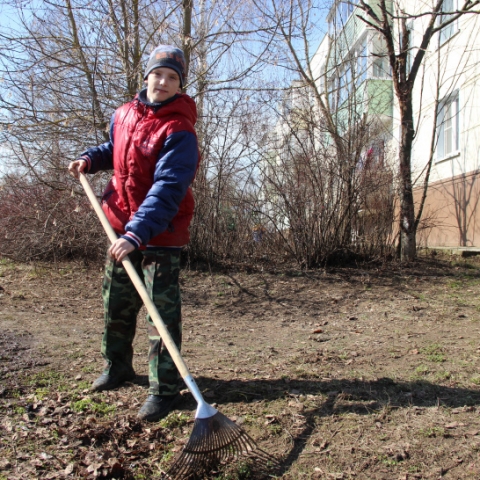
x=120 y=249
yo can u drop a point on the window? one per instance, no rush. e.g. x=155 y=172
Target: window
x=333 y=92
x=449 y=30
x=410 y=53
x=342 y=13
x=361 y=73
x=342 y=94
x=448 y=126
x=381 y=68
x=345 y=85
x=348 y=79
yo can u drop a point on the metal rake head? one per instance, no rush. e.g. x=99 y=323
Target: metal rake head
x=217 y=441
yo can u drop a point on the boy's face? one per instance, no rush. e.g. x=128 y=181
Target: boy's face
x=162 y=83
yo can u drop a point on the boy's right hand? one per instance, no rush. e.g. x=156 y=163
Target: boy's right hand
x=77 y=166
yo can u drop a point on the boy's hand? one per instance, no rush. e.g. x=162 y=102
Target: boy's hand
x=120 y=249
x=77 y=166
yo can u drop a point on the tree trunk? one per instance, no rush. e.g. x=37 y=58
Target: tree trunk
x=187 y=6
x=408 y=248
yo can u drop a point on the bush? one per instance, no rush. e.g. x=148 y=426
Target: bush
x=39 y=222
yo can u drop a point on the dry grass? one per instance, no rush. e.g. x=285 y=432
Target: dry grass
x=366 y=373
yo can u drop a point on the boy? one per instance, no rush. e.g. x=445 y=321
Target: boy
x=153 y=151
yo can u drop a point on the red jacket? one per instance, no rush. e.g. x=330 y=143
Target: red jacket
x=154 y=155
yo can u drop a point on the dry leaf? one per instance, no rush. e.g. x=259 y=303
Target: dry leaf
x=452 y=425
x=94 y=467
x=270 y=419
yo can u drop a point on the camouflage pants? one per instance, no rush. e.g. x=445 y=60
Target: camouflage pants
x=159 y=269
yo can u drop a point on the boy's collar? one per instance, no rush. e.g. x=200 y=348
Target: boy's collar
x=142 y=96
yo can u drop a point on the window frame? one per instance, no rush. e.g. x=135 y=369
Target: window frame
x=361 y=64
x=343 y=11
x=447 y=32
x=448 y=127
x=381 y=69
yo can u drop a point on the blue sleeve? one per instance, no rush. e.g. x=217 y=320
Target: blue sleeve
x=101 y=157
x=174 y=173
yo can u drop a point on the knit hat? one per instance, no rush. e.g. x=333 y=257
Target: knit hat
x=167 y=56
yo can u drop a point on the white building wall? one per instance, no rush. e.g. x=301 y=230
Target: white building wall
x=453 y=204
x=451 y=67
x=451 y=214
x=318 y=62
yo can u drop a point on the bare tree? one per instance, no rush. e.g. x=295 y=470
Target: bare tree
x=330 y=124
x=394 y=54
x=67 y=64
x=224 y=73
x=314 y=208
x=393 y=22
x=65 y=68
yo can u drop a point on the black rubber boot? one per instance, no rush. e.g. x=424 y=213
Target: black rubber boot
x=109 y=381
x=156 y=407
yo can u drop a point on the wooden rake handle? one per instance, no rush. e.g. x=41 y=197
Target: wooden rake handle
x=137 y=282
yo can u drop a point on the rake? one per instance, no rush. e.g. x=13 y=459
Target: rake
x=215 y=439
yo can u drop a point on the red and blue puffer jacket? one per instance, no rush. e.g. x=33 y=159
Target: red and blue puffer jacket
x=153 y=151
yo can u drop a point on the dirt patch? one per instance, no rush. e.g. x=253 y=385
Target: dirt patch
x=368 y=373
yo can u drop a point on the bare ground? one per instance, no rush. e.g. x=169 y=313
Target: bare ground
x=365 y=373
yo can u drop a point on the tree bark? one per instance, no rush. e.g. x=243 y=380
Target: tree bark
x=408 y=249
x=187 y=6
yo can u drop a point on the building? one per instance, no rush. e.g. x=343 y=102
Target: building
x=351 y=68
x=447 y=112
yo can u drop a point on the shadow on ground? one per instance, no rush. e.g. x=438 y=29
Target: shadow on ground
x=338 y=397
